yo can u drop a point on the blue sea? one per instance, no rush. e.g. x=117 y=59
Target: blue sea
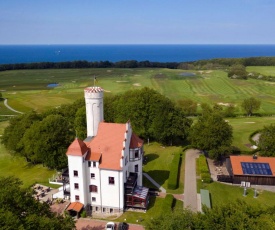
x=159 y=53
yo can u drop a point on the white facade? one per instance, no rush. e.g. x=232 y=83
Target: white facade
x=94 y=109
x=96 y=176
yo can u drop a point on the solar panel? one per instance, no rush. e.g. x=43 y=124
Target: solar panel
x=256 y=168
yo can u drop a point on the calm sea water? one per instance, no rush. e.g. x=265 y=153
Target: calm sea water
x=114 y=53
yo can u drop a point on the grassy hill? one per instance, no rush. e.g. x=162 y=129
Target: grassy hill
x=27 y=89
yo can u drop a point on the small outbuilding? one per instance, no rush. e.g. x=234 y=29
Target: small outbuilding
x=253 y=169
x=75 y=208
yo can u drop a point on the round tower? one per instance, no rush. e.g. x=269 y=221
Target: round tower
x=94 y=109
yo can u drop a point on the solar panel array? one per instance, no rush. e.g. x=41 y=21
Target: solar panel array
x=256 y=168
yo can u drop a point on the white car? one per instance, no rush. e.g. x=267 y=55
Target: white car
x=110 y=226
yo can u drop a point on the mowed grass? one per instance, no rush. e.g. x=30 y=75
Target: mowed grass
x=265 y=70
x=18 y=167
x=159 y=163
x=244 y=126
x=225 y=194
x=154 y=210
x=27 y=89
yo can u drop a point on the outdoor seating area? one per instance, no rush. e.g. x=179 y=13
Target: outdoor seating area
x=42 y=193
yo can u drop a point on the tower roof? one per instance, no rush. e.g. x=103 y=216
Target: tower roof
x=77 y=148
x=93 y=89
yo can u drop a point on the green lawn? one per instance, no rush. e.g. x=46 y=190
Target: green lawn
x=159 y=163
x=265 y=70
x=27 y=89
x=222 y=193
x=153 y=211
x=244 y=126
x=18 y=167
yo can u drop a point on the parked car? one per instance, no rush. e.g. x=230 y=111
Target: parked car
x=123 y=226
x=110 y=226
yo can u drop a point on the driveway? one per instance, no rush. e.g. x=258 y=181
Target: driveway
x=190 y=182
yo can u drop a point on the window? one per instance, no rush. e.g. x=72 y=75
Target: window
x=136 y=154
x=93 y=199
x=94 y=164
x=104 y=209
x=92 y=176
x=111 y=180
x=89 y=163
x=96 y=208
x=111 y=210
x=93 y=188
x=76 y=186
x=136 y=168
x=76 y=197
x=75 y=173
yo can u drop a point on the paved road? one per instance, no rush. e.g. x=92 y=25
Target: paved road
x=190 y=182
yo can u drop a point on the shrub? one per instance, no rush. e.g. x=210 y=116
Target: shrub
x=204 y=170
x=167 y=203
x=83 y=214
x=173 y=175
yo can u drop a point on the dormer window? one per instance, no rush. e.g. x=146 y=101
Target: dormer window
x=94 y=164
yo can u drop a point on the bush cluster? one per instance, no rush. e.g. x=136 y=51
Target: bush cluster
x=173 y=176
x=204 y=170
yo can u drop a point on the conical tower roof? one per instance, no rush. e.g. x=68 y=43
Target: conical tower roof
x=77 y=148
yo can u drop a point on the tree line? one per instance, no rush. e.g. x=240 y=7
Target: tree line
x=217 y=63
x=235 y=215
x=44 y=138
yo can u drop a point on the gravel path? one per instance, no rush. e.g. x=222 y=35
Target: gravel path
x=10 y=108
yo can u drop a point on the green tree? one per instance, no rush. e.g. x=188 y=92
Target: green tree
x=188 y=106
x=237 y=71
x=266 y=141
x=80 y=123
x=16 y=129
x=46 y=141
x=211 y=132
x=250 y=105
x=152 y=115
x=19 y=210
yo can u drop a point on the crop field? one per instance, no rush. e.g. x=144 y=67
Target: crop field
x=27 y=89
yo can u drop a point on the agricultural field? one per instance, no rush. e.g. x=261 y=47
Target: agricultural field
x=27 y=89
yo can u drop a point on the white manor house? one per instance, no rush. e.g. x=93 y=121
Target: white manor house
x=104 y=170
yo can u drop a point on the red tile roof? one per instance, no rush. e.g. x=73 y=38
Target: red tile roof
x=109 y=142
x=76 y=206
x=93 y=156
x=237 y=167
x=77 y=148
x=136 y=142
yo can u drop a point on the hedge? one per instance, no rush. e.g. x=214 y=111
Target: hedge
x=174 y=170
x=204 y=170
x=167 y=203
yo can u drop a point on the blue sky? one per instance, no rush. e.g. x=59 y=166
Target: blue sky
x=137 y=22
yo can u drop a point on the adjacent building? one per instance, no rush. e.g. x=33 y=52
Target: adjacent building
x=105 y=170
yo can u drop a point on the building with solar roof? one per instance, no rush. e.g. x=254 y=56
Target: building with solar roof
x=253 y=169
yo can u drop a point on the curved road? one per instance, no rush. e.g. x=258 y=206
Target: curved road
x=10 y=108
x=190 y=182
